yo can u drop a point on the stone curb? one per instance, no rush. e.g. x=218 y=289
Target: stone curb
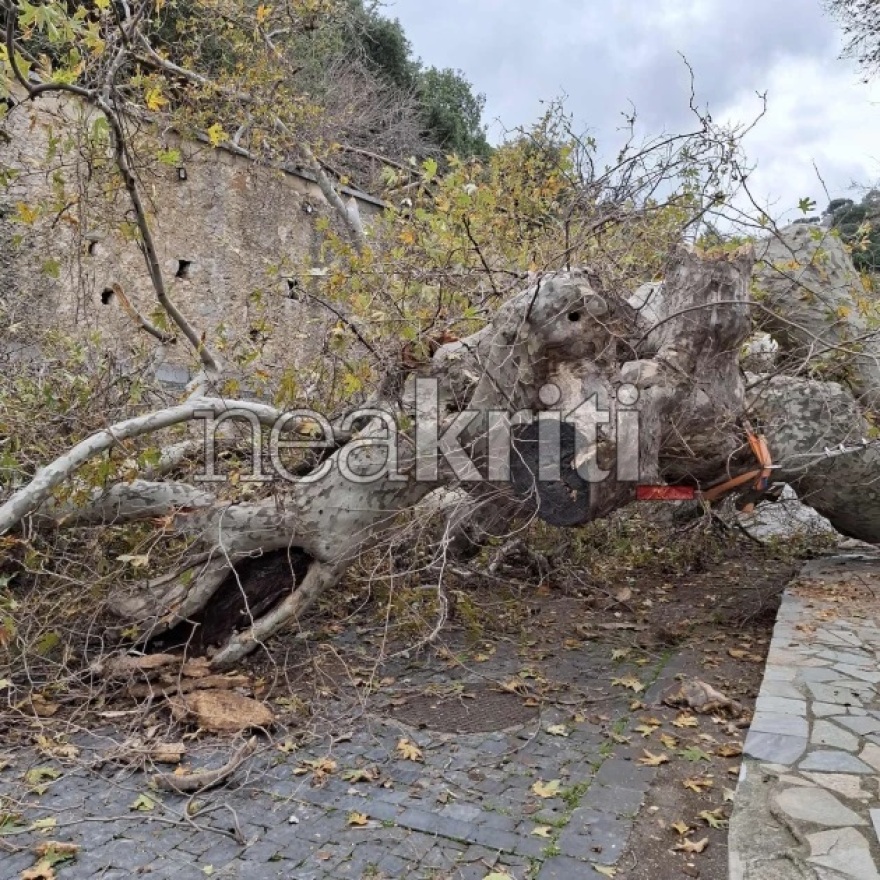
x=808 y=800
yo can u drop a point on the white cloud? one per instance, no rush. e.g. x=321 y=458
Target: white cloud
x=817 y=112
x=605 y=53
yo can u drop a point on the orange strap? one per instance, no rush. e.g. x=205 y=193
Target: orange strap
x=759 y=477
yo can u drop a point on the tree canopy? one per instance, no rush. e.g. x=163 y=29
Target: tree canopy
x=859 y=226
x=861 y=24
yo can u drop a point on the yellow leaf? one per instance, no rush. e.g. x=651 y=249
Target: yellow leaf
x=680 y=827
x=408 y=750
x=263 y=12
x=605 y=870
x=547 y=789
x=729 y=750
x=629 y=681
x=649 y=759
x=669 y=742
x=685 y=720
x=155 y=99
x=358 y=819
x=216 y=134
x=543 y=831
x=558 y=730
x=714 y=818
x=698 y=784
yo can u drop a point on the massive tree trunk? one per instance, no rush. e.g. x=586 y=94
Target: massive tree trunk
x=649 y=400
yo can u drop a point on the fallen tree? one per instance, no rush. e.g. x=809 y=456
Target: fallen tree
x=502 y=385
x=564 y=333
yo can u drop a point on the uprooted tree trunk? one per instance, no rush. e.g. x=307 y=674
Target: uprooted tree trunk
x=651 y=401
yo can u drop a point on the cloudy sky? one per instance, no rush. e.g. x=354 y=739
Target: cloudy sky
x=604 y=54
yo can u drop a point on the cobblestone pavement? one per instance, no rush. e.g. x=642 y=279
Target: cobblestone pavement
x=808 y=802
x=550 y=798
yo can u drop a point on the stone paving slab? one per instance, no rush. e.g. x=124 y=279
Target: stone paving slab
x=467 y=808
x=810 y=781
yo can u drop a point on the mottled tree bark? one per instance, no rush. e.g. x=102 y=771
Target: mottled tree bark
x=670 y=385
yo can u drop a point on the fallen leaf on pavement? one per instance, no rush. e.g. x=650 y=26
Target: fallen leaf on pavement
x=692 y=846
x=408 y=750
x=649 y=759
x=714 y=818
x=629 y=681
x=547 y=789
x=698 y=784
x=143 y=804
x=694 y=754
x=41 y=871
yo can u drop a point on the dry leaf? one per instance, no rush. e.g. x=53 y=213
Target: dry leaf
x=287 y=746
x=714 y=818
x=605 y=870
x=408 y=750
x=543 y=831
x=629 y=681
x=221 y=711
x=56 y=749
x=692 y=846
x=646 y=729
x=685 y=720
x=649 y=759
x=57 y=848
x=698 y=784
x=729 y=750
x=358 y=820
x=547 y=789
x=680 y=827
x=367 y=774
x=558 y=730
x=43 y=870
x=670 y=742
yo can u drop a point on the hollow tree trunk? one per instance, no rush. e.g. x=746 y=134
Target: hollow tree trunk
x=564 y=346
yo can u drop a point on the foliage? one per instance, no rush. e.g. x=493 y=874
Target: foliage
x=859 y=227
x=451 y=112
x=455 y=241
x=861 y=24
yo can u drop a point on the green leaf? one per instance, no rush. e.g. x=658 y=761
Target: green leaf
x=37 y=775
x=143 y=804
x=806 y=205
x=169 y=157
x=694 y=754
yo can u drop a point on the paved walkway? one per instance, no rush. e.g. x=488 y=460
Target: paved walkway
x=550 y=797
x=808 y=801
